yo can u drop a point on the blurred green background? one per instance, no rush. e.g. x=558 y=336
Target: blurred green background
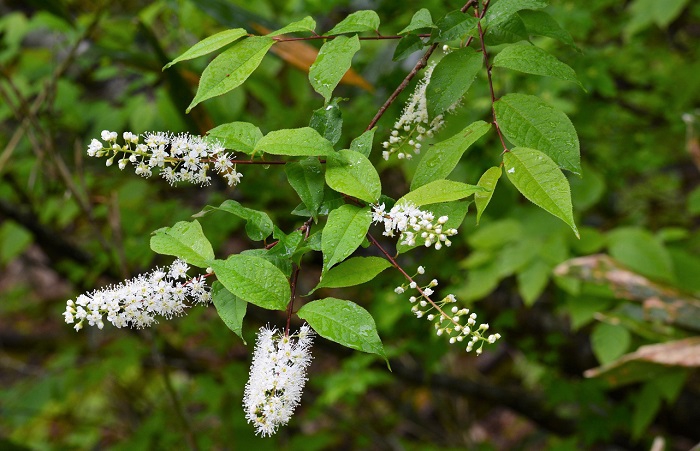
x=600 y=335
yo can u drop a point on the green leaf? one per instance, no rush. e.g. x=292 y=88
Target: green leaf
x=363 y=143
x=353 y=271
x=333 y=61
x=532 y=281
x=301 y=142
x=231 y=68
x=357 y=22
x=609 y=342
x=441 y=158
x=455 y=25
x=255 y=280
x=328 y=121
x=186 y=241
x=451 y=79
x=258 y=224
x=210 y=44
x=646 y=406
x=300 y=26
x=534 y=60
x=639 y=250
x=344 y=232
x=421 y=19
x=439 y=191
x=345 y=323
x=407 y=46
x=306 y=177
x=542 y=24
x=503 y=9
x=488 y=181
x=527 y=121
x=510 y=30
x=539 y=179
x=231 y=309
x=239 y=136
x=14 y=240
x=646 y=12
x=351 y=173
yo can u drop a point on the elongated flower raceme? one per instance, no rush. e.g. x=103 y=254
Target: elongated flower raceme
x=277 y=378
x=412 y=223
x=137 y=302
x=447 y=317
x=180 y=158
x=414 y=125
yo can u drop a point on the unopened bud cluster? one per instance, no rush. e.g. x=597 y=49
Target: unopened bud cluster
x=180 y=158
x=414 y=125
x=448 y=319
x=413 y=224
x=137 y=302
x=277 y=378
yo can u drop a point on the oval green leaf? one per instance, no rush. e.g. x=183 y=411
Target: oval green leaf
x=306 y=177
x=343 y=233
x=300 y=26
x=351 y=173
x=210 y=44
x=451 y=79
x=231 y=68
x=527 y=121
x=542 y=24
x=255 y=280
x=503 y=9
x=530 y=59
x=363 y=143
x=186 y=241
x=230 y=308
x=539 y=179
x=301 y=142
x=488 y=181
x=441 y=158
x=642 y=252
x=609 y=342
x=258 y=224
x=455 y=25
x=345 y=323
x=353 y=271
x=357 y=22
x=239 y=136
x=421 y=19
x=332 y=62
x=440 y=191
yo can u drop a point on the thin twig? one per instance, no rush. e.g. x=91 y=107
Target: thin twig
x=488 y=76
x=419 y=65
x=395 y=264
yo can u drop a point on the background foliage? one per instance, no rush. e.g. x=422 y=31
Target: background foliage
x=571 y=371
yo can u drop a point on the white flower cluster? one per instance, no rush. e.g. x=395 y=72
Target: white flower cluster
x=277 y=378
x=448 y=320
x=412 y=223
x=136 y=302
x=180 y=158
x=414 y=125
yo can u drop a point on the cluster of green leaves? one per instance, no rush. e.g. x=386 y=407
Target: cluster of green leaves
x=544 y=141
x=633 y=203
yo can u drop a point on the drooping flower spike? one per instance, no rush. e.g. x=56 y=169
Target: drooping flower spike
x=180 y=158
x=277 y=378
x=137 y=302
